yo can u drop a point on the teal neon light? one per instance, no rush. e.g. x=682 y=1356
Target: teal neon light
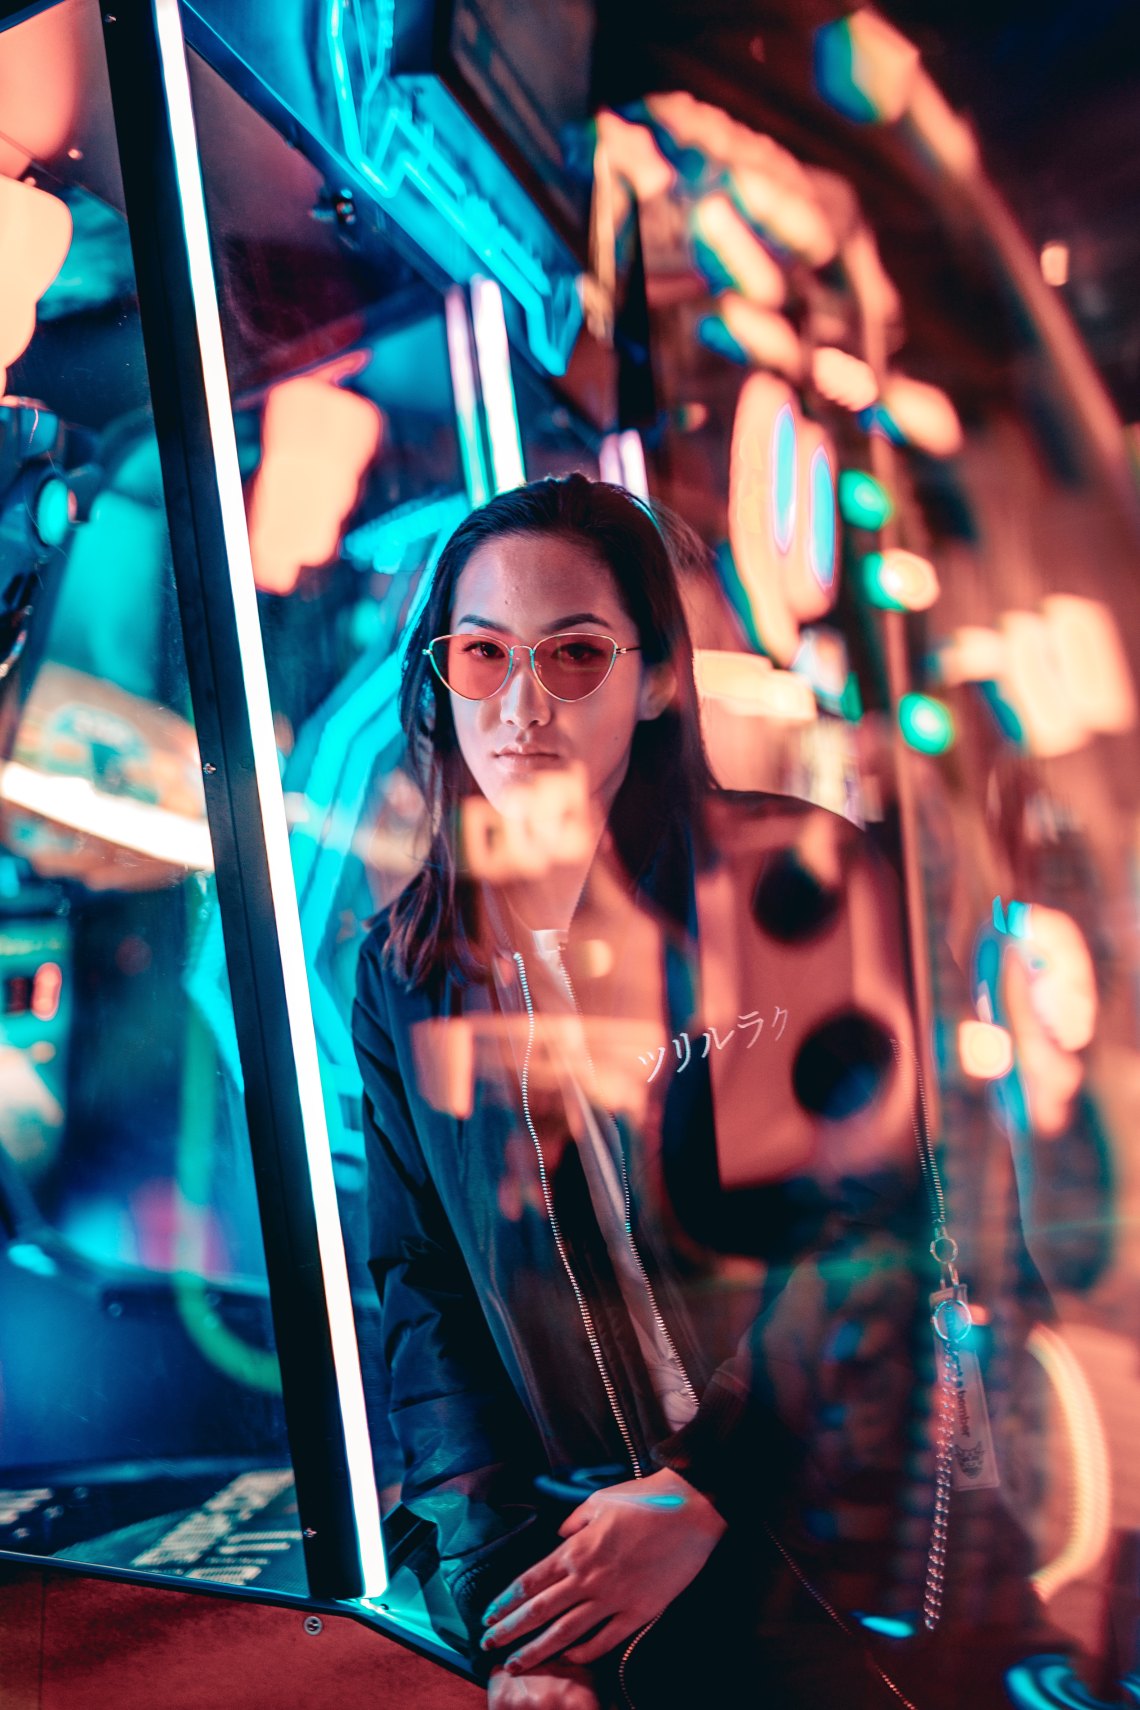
x=821 y=535
x=887 y=1625
x=863 y=501
x=927 y=725
x=357 y=732
x=784 y=477
x=1048 y=1683
x=835 y=63
x=393 y=149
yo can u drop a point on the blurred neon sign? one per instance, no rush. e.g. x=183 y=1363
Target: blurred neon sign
x=395 y=150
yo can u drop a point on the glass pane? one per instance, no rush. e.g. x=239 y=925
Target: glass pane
x=641 y=1169
x=340 y=370
x=141 y=1423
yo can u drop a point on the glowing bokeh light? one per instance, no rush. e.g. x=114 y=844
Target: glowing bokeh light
x=1055 y=264
x=318 y=440
x=36 y=228
x=927 y=725
x=721 y=236
x=863 y=501
x=843 y=379
x=985 y=1050
x=900 y=581
x=821 y=531
x=864 y=68
x=783 y=478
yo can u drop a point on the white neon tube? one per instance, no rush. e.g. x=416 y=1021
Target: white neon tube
x=144 y=829
x=461 y=360
x=494 y=354
x=635 y=476
x=330 y=1240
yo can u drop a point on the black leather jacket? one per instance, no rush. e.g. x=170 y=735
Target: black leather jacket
x=509 y=1350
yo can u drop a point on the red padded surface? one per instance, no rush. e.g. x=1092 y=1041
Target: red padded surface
x=110 y=1646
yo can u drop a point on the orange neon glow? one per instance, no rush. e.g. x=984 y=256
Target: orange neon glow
x=1093 y=663
x=41 y=72
x=604 y=1052
x=1092 y=1505
x=1063 y=670
x=923 y=415
x=984 y=1050
x=908 y=579
x=632 y=153
x=783 y=586
x=774 y=191
x=1050 y=997
x=1034 y=679
x=785 y=211
x=736 y=692
x=749 y=513
x=884 y=64
x=318 y=440
x=769 y=338
x=542 y=824
x=35 y=235
x=843 y=379
x=1055 y=264
x=715 y=222
x=1062 y=980
x=46 y=988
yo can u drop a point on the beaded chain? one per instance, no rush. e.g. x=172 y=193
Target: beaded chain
x=943 y=1476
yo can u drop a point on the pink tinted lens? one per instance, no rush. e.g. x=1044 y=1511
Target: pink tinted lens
x=475 y=666
x=574 y=665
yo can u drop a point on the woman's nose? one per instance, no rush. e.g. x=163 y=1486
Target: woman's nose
x=522 y=701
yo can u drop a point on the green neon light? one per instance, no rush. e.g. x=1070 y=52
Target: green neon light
x=927 y=725
x=863 y=501
x=875 y=585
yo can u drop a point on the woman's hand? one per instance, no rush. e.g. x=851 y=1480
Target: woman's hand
x=555 y=1687
x=629 y=1551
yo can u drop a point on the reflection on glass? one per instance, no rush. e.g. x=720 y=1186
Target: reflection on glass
x=141 y=1423
x=647 y=1170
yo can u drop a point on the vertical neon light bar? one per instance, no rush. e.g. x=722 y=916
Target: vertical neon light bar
x=334 y=1268
x=621 y=459
x=635 y=476
x=462 y=363
x=498 y=389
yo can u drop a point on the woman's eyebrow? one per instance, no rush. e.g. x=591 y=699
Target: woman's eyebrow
x=553 y=629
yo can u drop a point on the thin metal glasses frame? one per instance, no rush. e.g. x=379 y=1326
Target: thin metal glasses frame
x=531 y=648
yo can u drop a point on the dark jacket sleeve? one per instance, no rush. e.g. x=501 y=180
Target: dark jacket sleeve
x=468 y=1448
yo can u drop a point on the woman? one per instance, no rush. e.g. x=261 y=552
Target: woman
x=543 y=1198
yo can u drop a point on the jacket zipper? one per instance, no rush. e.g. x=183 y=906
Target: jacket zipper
x=658 y=1319
x=587 y=1319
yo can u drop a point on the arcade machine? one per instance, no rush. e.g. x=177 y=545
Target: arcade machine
x=378 y=241
x=296 y=290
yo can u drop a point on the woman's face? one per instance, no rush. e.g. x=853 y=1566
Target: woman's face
x=520 y=588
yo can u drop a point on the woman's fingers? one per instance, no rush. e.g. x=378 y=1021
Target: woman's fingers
x=535 y=1612
x=544 y=1573
x=609 y=1634
x=552 y=1641
x=579 y=1517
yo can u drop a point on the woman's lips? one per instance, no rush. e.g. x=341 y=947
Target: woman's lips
x=522 y=759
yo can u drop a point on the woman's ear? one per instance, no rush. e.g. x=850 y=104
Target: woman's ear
x=658 y=687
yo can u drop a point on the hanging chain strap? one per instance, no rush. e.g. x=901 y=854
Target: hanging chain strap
x=950 y=1376
x=950 y=1315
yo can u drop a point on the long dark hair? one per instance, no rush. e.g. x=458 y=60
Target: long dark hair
x=430 y=928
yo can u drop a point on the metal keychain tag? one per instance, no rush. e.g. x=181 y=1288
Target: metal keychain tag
x=974 y=1461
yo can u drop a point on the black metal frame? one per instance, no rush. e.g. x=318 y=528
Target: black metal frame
x=226 y=744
